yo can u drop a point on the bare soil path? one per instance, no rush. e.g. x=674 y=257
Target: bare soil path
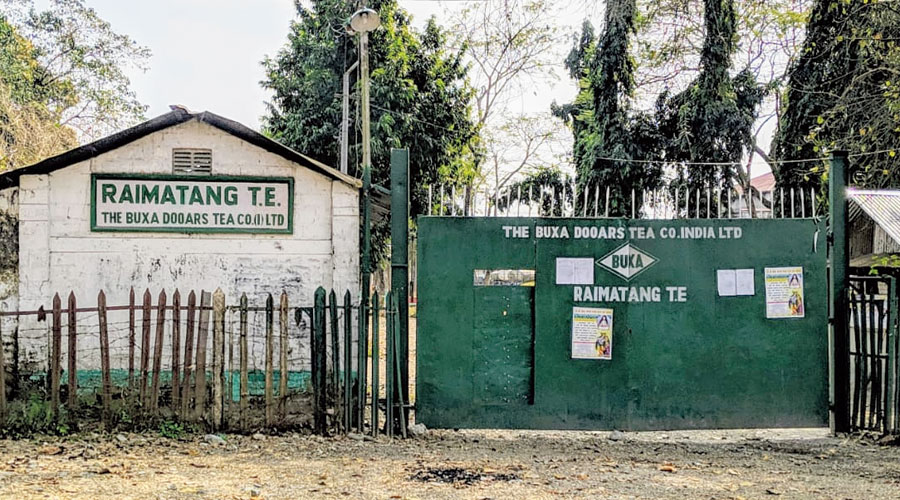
x=464 y=464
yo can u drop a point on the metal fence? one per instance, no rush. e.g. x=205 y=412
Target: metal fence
x=669 y=201
x=873 y=354
x=236 y=367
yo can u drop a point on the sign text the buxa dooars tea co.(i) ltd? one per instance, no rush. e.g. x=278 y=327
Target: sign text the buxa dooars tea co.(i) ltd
x=173 y=203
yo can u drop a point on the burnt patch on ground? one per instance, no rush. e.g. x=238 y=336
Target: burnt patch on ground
x=459 y=475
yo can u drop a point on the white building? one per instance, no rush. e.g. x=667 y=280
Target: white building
x=187 y=200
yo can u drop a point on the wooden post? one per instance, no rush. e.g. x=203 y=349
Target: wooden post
x=188 y=354
x=158 y=350
x=145 y=348
x=270 y=417
x=283 y=354
x=73 y=344
x=229 y=391
x=104 y=357
x=131 y=339
x=2 y=379
x=176 y=350
x=56 y=355
x=200 y=372
x=218 y=358
x=245 y=393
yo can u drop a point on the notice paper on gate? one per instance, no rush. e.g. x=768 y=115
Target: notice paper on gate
x=592 y=330
x=784 y=292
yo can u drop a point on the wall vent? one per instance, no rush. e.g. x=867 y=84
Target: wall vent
x=191 y=161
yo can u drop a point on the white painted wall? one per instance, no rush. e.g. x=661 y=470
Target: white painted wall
x=58 y=252
x=9 y=280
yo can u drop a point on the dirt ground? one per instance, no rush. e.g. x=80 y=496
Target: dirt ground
x=456 y=464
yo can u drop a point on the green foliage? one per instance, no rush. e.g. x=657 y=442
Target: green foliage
x=712 y=120
x=670 y=31
x=81 y=65
x=31 y=103
x=419 y=94
x=843 y=94
x=548 y=188
x=892 y=260
x=27 y=80
x=32 y=415
x=602 y=119
x=171 y=430
x=419 y=97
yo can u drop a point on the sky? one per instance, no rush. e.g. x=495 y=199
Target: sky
x=207 y=53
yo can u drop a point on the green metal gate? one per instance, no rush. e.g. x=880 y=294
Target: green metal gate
x=683 y=354
x=504 y=332
x=873 y=353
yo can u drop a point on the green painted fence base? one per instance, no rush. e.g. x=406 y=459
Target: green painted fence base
x=89 y=381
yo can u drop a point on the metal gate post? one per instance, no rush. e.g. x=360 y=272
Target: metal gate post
x=400 y=264
x=319 y=361
x=839 y=263
x=890 y=413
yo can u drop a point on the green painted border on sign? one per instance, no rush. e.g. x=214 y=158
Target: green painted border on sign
x=191 y=230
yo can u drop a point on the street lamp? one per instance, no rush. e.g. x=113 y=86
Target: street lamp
x=363 y=21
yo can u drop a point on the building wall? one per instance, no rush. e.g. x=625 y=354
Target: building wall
x=9 y=276
x=58 y=252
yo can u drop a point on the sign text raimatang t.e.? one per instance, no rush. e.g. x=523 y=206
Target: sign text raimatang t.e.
x=172 y=203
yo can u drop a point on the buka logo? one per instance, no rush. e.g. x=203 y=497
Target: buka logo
x=627 y=261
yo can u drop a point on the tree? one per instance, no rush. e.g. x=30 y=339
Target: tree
x=671 y=34
x=31 y=103
x=608 y=131
x=80 y=51
x=769 y=34
x=712 y=120
x=419 y=95
x=843 y=94
x=521 y=147
x=510 y=43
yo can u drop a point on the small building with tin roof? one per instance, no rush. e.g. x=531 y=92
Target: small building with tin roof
x=874 y=230
x=185 y=200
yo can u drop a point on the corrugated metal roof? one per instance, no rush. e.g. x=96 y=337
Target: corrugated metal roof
x=883 y=206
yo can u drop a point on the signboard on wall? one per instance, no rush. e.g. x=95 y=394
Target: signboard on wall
x=191 y=204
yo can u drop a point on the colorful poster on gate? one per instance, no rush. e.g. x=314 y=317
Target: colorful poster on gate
x=784 y=292
x=592 y=333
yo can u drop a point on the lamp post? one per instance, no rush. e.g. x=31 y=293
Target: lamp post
x=363 y=21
